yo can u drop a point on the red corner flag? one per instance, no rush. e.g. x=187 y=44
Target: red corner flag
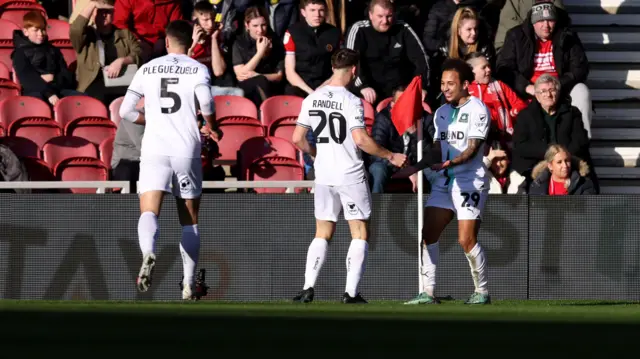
x=408 y=108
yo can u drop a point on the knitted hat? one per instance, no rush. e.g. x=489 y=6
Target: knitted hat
x=543 y=11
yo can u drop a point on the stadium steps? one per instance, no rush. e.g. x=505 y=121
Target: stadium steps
x=609 y=31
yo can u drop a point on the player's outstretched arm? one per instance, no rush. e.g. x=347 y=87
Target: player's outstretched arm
x=368 y=145
x=299 y=138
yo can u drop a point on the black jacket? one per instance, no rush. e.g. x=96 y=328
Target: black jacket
x=385 y=134
x=285 y=13
x=439 y=21
x=244 y=48
x=579 y=182
x=30 y=61
x=314 y=48
x=515 y=64
x=388 y=59
x=531 y=136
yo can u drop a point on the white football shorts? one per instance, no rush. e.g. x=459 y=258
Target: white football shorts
x=159 y=173
x=467 y=205
x=354 y=200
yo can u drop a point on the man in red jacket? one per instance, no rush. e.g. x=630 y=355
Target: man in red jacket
x=147 y=19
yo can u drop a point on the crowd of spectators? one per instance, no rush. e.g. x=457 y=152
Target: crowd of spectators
x=530 y=69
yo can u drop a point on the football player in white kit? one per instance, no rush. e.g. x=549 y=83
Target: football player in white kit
x=336 y=117
x=170 y=154
x=458 y=186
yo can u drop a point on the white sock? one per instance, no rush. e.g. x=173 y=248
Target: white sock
x=430 y=258
x=190 y=250
x=315 y=259
x=356 y=264
x=148 y=233
x=478 y=264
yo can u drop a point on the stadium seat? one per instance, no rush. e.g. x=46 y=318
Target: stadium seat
x=85 y=117
x=114 y=109
x=384 y=103
x=106 y=151
x=258 y=147
x=15 y=10
x=5 y=72
x=6 y=41
x=8 y=88
x=38 y=170
x=28 y=117
x=58 y=33
x=234 y=107
x=369 y=115
x=61 y=148
x=22 y=147
x=279 y=115
x=81 y=169
x=275 y=168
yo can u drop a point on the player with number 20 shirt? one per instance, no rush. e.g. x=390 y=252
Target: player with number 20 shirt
x=336 y=117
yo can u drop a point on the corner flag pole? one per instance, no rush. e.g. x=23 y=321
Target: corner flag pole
x=420 y=191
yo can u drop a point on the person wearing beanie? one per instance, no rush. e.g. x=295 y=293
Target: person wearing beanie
x=544 y=44
x=514 y=12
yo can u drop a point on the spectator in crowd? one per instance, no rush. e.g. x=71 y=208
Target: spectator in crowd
x=391 y=53
x=125 y=161
x=281 y=14
x=543 y=45
x=515 y=12
x=40 y=66
x=561 y=174
x=548 y=119
x=503 y=104
x=207 y=49
x=309 y=46
x=466 y=37
x=436 y=30
x=102 y=50
x=258 y=57
x=147 y=19
x=385 y=134
x=502 y=178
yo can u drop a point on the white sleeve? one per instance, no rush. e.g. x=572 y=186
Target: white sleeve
x=203 y=92
x=479 y=123
x=134 y=93
x=304 y=119
x=436 y=132
x=355 y=117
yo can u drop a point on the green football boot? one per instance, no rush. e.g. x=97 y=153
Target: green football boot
x=479 y=298
x=423 y=298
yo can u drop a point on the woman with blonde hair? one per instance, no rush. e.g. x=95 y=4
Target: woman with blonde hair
x=468 y=34
x=561 y=174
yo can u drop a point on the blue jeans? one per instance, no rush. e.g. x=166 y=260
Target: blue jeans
x=380 y=174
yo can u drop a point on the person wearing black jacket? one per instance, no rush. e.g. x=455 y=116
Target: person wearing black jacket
x=385 y=134
x=40 y=66
x=391 y=54
x=560 y=174
x=548 y=120
x=309 y=46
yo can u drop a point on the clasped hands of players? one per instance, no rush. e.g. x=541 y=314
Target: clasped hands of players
x=398 y=159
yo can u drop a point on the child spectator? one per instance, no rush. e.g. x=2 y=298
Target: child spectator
x=503 y=103
x=40 y=67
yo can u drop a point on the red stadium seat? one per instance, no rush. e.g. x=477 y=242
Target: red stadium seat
x=275 y=169
x=15 y=10
x=369 y=115
x=38 y=170
x=279 y=115
x=236 y=131
x=70 y=57
x=106 y=151
x=85 y=117
x=384 y=103
x=81 y=169
x=5 y=72
x=8 y=89
x=6 y=41
x=234 y=107
x=22 y=147
x=61 y=148
x=28 y=117
x=259 y=147
x=58 y=33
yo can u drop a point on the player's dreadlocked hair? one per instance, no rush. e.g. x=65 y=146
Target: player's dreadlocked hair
x=180 y=31
x=344 y=58
x=461 y=67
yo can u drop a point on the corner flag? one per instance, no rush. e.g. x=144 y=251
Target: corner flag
x=408 y=109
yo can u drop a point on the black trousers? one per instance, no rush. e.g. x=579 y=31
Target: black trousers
x=127 y=170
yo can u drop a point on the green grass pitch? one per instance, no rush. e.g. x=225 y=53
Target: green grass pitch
x=377 y=330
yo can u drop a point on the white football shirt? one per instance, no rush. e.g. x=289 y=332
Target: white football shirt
x=454 y=127
x=169 y=85
x=332 y=113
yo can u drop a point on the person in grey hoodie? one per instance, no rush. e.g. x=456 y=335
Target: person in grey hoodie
x=125 y=161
